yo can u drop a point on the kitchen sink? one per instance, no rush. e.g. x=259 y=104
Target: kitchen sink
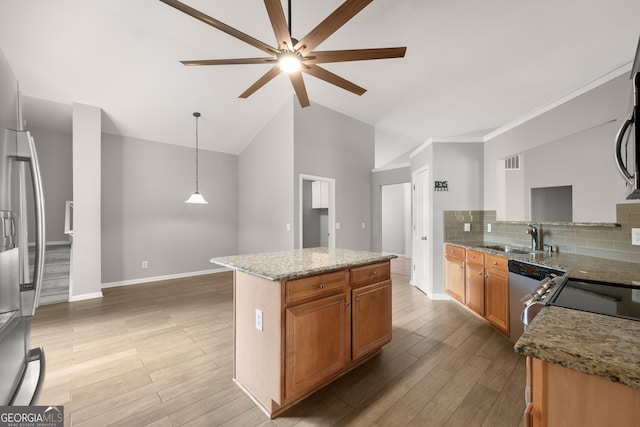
x=509 y=249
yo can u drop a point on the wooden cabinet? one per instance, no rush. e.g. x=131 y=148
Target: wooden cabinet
x=560 y=396
x=480 y=281
x=314 y=329
x=497 y=292
x=454 y=276
x=474 y=281
x=371 y=316
x=317 y=342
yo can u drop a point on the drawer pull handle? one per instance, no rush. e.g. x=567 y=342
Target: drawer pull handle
x=321 y=285
x=495 y=263
x=373 y=273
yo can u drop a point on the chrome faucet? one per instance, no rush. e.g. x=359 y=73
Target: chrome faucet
x=535 y=237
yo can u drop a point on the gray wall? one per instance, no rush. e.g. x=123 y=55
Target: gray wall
x=461 y=165
x=144 y=217
x=55 y=158
x=332 y=145
x=314 y=222
x=379 y=178
x=266 y=183
x=572 y=144
x=396 y=204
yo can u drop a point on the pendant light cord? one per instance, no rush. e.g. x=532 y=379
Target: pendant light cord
x=197 y=115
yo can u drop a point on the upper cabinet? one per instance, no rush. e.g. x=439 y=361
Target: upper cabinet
x=319 y=195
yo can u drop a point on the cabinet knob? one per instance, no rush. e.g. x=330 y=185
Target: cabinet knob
x=373 y=273
x=495 y=263
x=321 y=285
x=357 y=299
x=462 y=266
x=480 y=274
x=346 y=304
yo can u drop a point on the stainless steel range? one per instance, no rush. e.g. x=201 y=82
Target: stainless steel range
x=611 y=299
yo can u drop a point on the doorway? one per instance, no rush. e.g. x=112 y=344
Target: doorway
x=396 y=225
x=422 y=257
x=317 y=211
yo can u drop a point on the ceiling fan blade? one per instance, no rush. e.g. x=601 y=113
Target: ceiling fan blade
x=354 y=55
x=298 y=86
x=334 y=79
x=330 y=25
x=279 y=23
x=266 y=78
x=220 y=26
x=268 y=60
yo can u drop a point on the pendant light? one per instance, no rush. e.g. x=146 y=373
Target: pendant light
x=196 y=197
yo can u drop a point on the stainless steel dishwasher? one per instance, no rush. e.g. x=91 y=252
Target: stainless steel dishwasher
x=524 y=278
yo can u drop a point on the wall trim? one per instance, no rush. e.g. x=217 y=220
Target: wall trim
x=160 y=278
x=391 y=167
x=433 y=140
x=83 y=297
x=626 y=68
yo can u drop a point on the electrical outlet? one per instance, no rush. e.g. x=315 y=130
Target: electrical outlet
x=467 y=226
x=364 y=225
x=488 y=228
x=145 y=264
x=259 y=320
x=635 y=236
x=288 y=227
x=337 y=226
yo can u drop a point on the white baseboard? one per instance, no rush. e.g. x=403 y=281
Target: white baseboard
x=159 y=278
x=83 y=297
x=441 y=297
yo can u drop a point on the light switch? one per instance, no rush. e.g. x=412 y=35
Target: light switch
x=337 y=226
x=635 y=236
x=364 y=225
x=288 y=227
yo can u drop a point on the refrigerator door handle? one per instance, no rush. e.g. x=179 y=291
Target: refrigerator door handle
x=39 y=217
x=27 y=153
x=619 y=137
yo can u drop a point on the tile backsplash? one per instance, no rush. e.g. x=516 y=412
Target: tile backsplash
x=595 y=240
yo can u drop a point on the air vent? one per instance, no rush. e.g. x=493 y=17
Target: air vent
x=512 y=163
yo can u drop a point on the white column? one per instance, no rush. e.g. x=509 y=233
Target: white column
x=86 y=277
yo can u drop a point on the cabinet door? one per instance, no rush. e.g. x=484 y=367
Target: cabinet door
x=371 y=317
x=317 y=343
x=497 y=299
x=475 y=288
x=454 y=278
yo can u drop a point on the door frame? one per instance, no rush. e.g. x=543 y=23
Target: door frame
x=428 y=285
x=331 y=226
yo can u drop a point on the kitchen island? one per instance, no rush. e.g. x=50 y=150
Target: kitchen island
x=304 y=317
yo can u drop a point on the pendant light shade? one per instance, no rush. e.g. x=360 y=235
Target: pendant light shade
x=196 y=197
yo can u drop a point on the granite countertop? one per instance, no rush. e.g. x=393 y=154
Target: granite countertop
x=604 y=346
x=596 y=344
x=295 y=263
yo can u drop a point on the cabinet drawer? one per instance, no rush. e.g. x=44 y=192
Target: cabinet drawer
x=475 y=257
x=314 y=286
x=496 y=262
x=371 y=273
x=454 y=251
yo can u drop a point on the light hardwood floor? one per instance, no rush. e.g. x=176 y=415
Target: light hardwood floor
x=161 y=355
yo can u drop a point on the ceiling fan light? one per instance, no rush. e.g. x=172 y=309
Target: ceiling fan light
x=289 y=62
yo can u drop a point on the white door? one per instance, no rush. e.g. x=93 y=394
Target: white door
x=421 y=276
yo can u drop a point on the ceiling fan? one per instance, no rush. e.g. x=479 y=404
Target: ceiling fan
x=296 y=56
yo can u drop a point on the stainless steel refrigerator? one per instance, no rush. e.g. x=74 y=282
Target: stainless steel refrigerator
x=21 y=232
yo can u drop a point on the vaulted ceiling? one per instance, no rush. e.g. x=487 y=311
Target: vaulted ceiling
x=471 y=66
